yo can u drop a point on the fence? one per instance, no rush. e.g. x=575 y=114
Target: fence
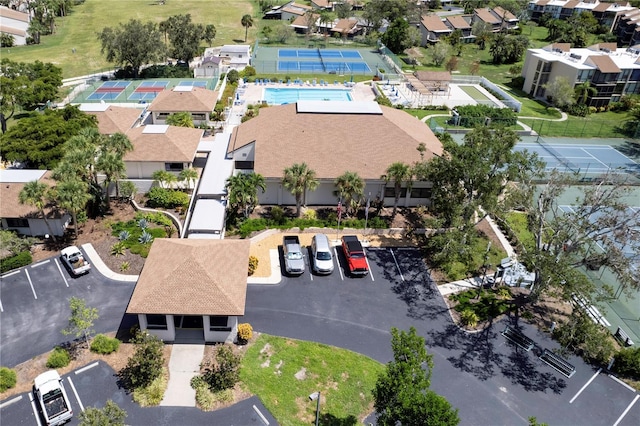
x=495 y=90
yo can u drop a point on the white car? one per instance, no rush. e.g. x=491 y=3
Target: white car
x=74 y=261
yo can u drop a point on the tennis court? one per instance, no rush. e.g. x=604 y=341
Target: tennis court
x=108 y=91
x=148 y=90
x=335 y=67
x=593 y=159
x=319 y=53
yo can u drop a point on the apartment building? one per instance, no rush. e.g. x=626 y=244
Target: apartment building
x=612 y=71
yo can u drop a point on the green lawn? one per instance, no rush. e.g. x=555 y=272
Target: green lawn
x=474 y=93
x=79 y=30
x=344 y=378
x=602 y=125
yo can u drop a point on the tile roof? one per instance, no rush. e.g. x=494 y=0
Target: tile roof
x=9 y=13
x=10 y=207
x=116 y=119
x=571 y=4
x=434 y=23
x=504 y=14
x=458 y=22
x=433 y=75
x=177 y=144
x=486 y=15
x=195 y=100
x=332 y=143
x=193 y=277
x=604 y=63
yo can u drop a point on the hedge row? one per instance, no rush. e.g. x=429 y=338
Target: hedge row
x=21 y=259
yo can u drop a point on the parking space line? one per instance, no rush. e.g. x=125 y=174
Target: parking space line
x=11 y=401
x=262 y=417
x=626 y=411
x=61 y=274
x=369 y=268
x=35 y=410
x=585 y=385
x=76 y=393
x=10 y=273
x=88 y=367
x=1 y=307
x=33 y=290
x=622 y=383
x=396 y=262
x=335 y=252
x=41 y=263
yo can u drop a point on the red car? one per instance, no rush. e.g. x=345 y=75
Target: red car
x=354 y=253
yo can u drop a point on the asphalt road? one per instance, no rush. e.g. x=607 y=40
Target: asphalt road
x=490 y=381
x=34 y=307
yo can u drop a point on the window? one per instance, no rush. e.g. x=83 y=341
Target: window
x=217 y=323
x=174 y=167
x=390 y=192
x=163 y=115
x=421 y=193
x=198 y=117
x=156 y=322
x=244 y=165
x=17 y=223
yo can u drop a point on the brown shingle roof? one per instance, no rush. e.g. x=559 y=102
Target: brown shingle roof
x=486 y=15
x=604 y=63
x=571 y=4
x=9 y=13
x=10 y=207
x=458 y=22
x=602 y=7
x=197 y=99
x=331 y=144
x=116 y=119
x=193 y=277
x=434 y=23
x=345 y=25
x=177 y=144
x=504 y=14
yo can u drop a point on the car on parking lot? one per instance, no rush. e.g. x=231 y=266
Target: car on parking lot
x=355 y=256
x=74 y=261
x=322 y=257
x=52 y=398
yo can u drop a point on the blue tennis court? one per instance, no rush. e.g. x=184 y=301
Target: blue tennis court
x=161 y=84
x=338 y=67
x=596 y=159
x=319 y=53
x=193 y=84
x=115 y=84
x=104 y=96
x=142 y=96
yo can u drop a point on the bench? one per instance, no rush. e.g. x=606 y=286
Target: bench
x=623 y=337
x=557 y=362
x=518 y=338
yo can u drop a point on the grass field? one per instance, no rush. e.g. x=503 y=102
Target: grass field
x=79 y=30
x=474 y=93
x=345 y=380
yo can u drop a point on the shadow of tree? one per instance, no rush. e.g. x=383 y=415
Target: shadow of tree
x=328 y=419
x=522 y=371
x=477 y=355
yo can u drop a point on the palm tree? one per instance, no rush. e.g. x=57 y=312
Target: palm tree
x=113 y=167
x=246 y=21
x=73 y=196
x=164 y=178
x=188 y=175
x=325 y=18
x=118 y=143
x=583 y=90
x=349 y=186
x=34 y=193
x=398 y=173
x=242 y=191
x=180 y=119
x=298 y=179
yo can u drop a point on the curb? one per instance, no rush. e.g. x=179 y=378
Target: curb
x=98 y=264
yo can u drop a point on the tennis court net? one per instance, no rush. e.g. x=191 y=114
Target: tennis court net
x=562 y=159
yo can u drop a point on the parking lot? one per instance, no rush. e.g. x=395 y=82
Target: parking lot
x=95 y=384
x=34 y=307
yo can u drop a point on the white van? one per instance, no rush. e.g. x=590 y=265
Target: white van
x=322 y=262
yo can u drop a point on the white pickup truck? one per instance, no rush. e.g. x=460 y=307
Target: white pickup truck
x=74 y=261
x=52 y=398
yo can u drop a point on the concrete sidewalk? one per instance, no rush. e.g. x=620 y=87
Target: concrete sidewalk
x=183 y=366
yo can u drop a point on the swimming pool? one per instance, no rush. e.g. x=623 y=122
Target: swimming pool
x=286 y=95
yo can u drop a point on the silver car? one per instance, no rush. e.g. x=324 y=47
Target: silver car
x=322 y=262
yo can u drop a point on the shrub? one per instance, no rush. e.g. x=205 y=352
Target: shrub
x=8 y=378
x=151 y=395
x=124 y=235
x=145 y=365
x=13 y=262
x=104 y=344
x=124 y=266
x=167 y=198
x=143 y=224
x=233 y=76
x=469 y=318
x=277 y=214
x=204 y=397
x=627 y=363
x=118 y=249
x=225 y=373
x=145 y=238
x=245 y=332
x=253 y=264
x=59 y=358
x=310 y=214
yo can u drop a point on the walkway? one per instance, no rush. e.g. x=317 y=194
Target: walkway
x=183 y=366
